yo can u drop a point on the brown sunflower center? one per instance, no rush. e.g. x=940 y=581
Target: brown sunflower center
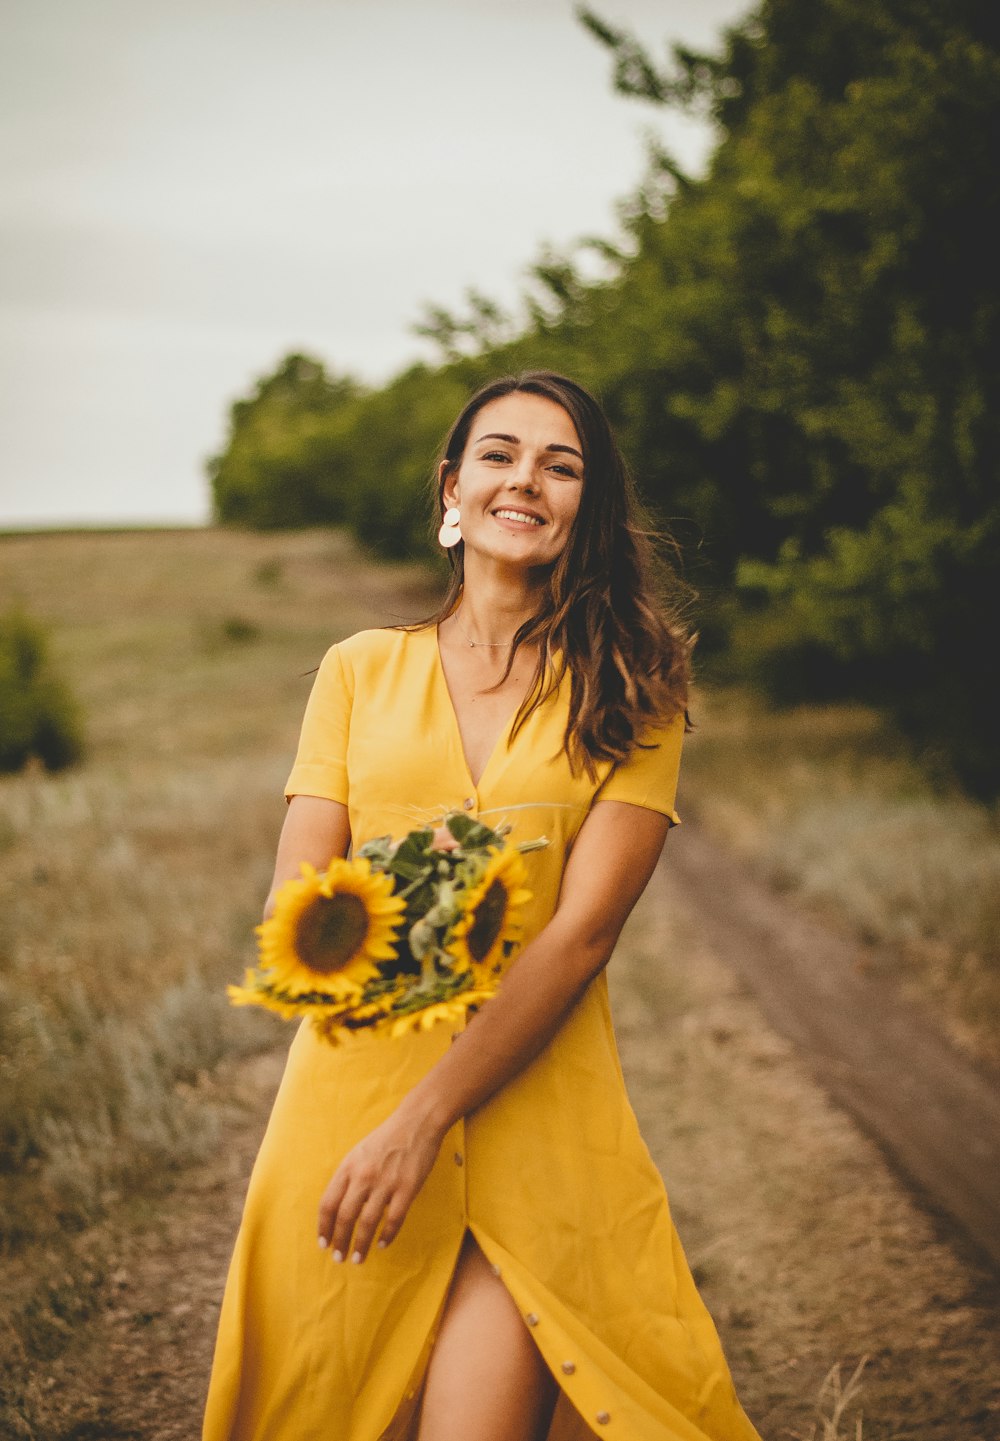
x=330 y=932
x=486 y=921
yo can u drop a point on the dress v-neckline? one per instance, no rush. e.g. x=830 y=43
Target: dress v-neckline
x=504 y=733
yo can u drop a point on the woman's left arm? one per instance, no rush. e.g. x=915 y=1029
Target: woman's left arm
x=611 y=861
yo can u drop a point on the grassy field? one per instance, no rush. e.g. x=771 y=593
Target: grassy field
x=130 y=884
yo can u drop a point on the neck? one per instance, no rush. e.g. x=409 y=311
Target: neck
x=495 y=605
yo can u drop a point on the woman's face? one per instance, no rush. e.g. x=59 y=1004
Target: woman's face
x=520 y=480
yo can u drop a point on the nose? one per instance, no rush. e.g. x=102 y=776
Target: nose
x=522 y=475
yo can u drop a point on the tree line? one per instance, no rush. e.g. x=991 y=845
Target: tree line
x=800 y=351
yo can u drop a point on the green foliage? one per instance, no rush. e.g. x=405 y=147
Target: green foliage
x=800 y=352
x=485 y=327
x=305 y=450
x=819 y=380
x=38 y=716
x=273 y=471
x=387 y=455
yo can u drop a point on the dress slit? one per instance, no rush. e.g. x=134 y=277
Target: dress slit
x=566 y=1424
x=403 y=1426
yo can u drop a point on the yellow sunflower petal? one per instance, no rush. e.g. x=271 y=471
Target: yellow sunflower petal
x=249 y=996
x=452 y=1009
x=243 y=996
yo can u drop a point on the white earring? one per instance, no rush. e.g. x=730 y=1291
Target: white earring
x=450 y=533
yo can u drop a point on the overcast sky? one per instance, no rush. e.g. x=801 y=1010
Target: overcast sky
x=191 y=188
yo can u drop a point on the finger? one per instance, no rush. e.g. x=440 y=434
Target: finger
x=329 y=1206
x=367 y=1224
x=395 y=1215
x=347 y=1214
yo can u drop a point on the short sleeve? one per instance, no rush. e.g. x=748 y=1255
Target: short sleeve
x=320 y=767
x=649 y=776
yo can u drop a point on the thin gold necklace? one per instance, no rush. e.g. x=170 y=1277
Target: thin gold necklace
x=480 y=644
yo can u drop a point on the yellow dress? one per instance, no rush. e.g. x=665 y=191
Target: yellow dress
x=551 y=1176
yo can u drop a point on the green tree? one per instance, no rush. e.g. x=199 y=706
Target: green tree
x=272 y=472
x=816 y=326
x=386 y=455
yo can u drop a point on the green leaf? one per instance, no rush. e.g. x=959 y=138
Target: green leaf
x=470 y=834
x=412 y=857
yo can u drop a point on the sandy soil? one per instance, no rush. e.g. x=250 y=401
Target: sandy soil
x=809 y=1249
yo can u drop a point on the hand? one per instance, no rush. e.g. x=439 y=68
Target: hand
x=375 y=1185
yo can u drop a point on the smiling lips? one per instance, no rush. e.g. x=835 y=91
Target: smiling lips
x=521 y=517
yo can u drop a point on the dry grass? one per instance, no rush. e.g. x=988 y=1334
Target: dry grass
x=838 y=1396
x=130 y=885
x=827 y=801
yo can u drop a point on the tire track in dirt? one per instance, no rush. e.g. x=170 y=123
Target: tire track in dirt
x=933 y=1110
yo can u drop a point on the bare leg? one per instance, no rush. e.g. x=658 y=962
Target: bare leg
x=485 y=1380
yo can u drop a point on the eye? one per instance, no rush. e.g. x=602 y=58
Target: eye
x=566 y=470
x=496 y=455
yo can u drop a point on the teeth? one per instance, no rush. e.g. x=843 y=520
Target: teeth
x=518 y=515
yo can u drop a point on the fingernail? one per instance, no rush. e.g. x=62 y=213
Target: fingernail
x=357 y=1258
x=322 y=1242
x=338 y=1255
x=381 y=1244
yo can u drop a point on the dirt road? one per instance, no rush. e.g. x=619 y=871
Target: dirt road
x=935 y=1113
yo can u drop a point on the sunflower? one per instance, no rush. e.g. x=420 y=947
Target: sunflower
x=328 y=931
x=489 y=924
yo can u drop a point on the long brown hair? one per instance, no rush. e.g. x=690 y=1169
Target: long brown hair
x=611 y=612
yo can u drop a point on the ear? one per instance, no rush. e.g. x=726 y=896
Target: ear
x=449 y=494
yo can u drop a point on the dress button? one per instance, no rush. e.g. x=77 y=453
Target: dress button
x=531 y=1319
x=458 y=1159
x=568 y=1367
x=603 y=1417
x=469 y=802
x=495 y=1269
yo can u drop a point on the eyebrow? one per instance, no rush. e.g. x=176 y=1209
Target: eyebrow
x=513 y=440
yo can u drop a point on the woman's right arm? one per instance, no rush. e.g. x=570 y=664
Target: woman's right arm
x=315 y=830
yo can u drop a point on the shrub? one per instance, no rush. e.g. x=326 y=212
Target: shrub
x=38 y=715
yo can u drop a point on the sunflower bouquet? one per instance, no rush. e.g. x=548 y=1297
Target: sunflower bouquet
x=404 y=934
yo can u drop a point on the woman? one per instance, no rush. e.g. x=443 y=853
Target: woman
x=495 y=1259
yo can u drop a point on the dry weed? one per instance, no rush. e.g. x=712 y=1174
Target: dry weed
x=837 y=1396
